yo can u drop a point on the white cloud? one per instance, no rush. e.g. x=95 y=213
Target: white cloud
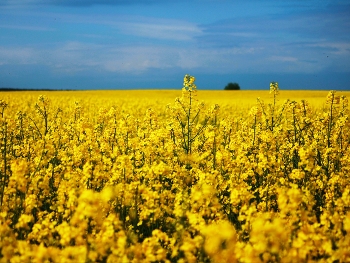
x=335 y=48
x=73 y=57
x=161 y=29
x=284 y=59
x=82 y=3
x=19 y=2
x=17 y=55
x=26 y=27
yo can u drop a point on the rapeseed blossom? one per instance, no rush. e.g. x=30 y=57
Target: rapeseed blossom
x=87 y=178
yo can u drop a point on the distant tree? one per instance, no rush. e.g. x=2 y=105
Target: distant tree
x=232 y=86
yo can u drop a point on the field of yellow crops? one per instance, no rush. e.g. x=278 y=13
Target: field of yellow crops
x=175 y=176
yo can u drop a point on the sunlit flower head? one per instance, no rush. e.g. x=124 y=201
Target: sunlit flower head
x=332 y=98
x=189 y=83
x=274 y=88
x=255 y=111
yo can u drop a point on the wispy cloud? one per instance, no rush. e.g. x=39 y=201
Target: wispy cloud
x=72 y=57
x=284 y=58
x=29 y=28
x=296 y=37
x=131 y=25
x=332 y=48
x=161 y=29
x=17 y=55
x=79 y=2
x=293 y=42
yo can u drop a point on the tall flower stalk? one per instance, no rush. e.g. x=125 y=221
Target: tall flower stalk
x=275 y=91
x=187 y=114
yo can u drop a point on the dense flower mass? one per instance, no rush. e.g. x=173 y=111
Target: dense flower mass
x=116 y=180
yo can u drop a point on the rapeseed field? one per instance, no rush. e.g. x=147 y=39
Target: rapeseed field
x=175 y=176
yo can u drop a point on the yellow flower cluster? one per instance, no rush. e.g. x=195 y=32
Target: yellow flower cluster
x=101 y=178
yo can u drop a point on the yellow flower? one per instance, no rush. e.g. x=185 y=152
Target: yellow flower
x=346 y=222
x=297 y=174
x=24 y=220
x=274 y=88
x=332 y=98
x=220 y=239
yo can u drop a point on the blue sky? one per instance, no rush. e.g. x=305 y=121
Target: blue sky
x=107 y=44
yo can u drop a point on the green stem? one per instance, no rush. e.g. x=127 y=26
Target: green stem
x=189 y=150
x=254 y=130
x=4 y=177
x=330 y=124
